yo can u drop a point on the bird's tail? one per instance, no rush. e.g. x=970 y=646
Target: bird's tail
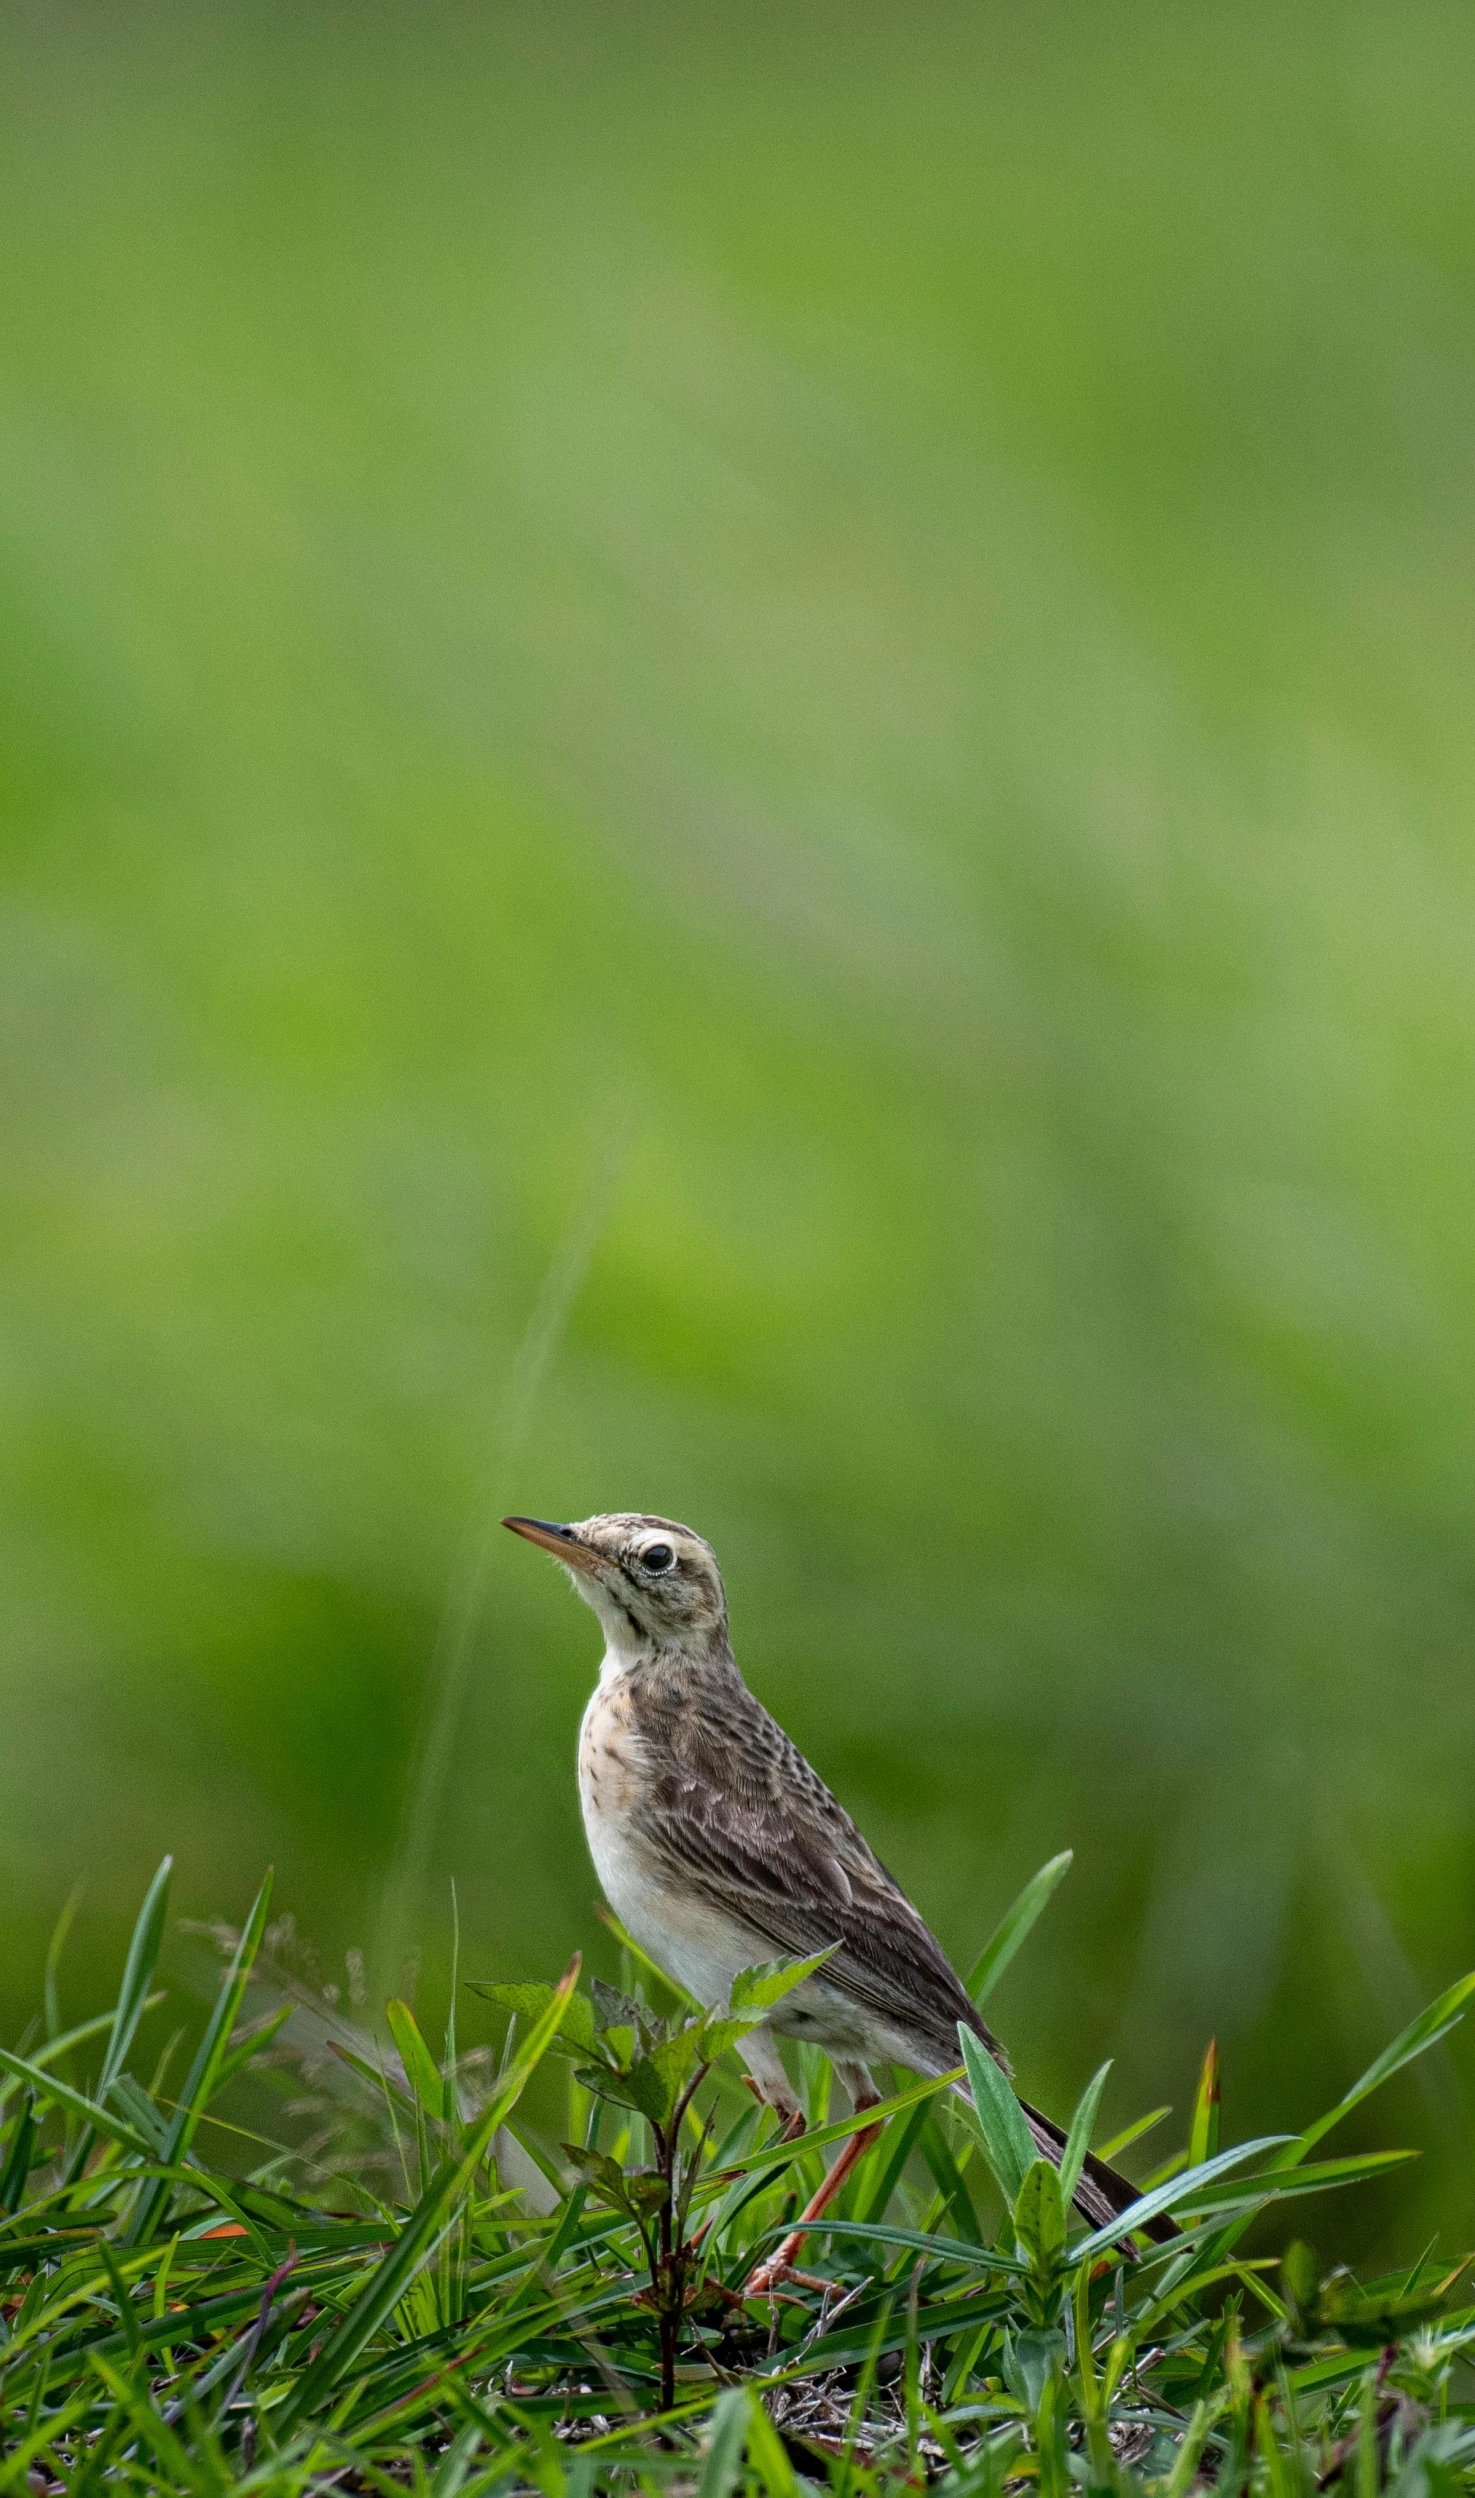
x=1102 y=2194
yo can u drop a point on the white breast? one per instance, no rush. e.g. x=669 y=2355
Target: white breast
x=700 y=1948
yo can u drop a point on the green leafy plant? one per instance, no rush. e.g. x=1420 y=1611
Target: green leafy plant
x=433 y=2296
x=633 y=2057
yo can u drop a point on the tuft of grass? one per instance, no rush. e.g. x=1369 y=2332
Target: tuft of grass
x=423 y=2294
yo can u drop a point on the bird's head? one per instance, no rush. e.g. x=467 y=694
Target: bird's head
x=649 y=1580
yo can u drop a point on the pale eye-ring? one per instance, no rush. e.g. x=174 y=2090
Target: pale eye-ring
x=657 y=1558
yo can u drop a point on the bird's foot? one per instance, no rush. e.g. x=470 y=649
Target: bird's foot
x=768 y=2278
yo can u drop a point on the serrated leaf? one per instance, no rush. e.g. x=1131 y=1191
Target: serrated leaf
x=656 y=2081
x=677 y=2057
x=606 y=2083
x=637 y=2192
x=613 y=2010
x=720 y=2035
x=758 y=1989
x=1007 y=2143
x=526 y=1997
x=649 y=2094
x=598 y=2170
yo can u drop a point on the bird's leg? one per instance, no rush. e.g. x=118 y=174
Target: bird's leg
x=791 y=2126
x=770 y=2086
x=768 y=2081
x=779 y=2266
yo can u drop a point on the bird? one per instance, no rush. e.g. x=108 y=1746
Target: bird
x=719 y=1847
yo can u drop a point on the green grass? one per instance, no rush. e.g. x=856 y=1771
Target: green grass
x=428 y=2296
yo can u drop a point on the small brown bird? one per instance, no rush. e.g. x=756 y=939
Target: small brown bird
x=718 y=1846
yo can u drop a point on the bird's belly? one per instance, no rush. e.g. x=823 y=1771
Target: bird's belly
x=824 y=2015
x=700 y=1949
x=698 y=1946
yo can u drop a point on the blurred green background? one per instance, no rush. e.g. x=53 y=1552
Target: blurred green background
x=737 y=763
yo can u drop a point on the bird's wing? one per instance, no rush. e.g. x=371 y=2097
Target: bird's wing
x=738 y=1816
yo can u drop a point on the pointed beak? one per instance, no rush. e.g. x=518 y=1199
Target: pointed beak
x=562 y=1542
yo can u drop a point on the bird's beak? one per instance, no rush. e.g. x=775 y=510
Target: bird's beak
x=562 y=1542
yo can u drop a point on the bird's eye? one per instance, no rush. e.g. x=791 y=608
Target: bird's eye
x=658 y=1557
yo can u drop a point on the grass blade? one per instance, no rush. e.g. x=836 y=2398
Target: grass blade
x=1203 y=2128
x=143 y=1955
x=965 y=2251
x=51 y=1993
x=211 y=2056
x=421 y=2070
x=1165 y=2197
x=1014 y=1926
x=1139 y=2126
x=1279 y=2184
x=255 y=2044
x=57 y=2047
x=1432 y=2024
x=51 y=2086
x=449 y=2108
x=727 y=2442
x=1078 y=2140
x=1007 y=2143
x=776 y=2153
x=418 y=2239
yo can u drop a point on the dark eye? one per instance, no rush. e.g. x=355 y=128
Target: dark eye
x=658 y=1557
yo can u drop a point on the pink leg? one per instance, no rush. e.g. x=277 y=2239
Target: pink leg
x=766 y=2276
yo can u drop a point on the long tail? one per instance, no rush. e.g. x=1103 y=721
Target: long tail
x=1102 y=2192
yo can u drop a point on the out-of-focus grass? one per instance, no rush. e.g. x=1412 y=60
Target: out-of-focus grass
x=810 y=671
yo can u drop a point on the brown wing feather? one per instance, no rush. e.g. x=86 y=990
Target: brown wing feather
x=738 y=1814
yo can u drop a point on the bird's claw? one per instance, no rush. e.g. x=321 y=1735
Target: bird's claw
x=790 y=2126
x=766 y=2279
